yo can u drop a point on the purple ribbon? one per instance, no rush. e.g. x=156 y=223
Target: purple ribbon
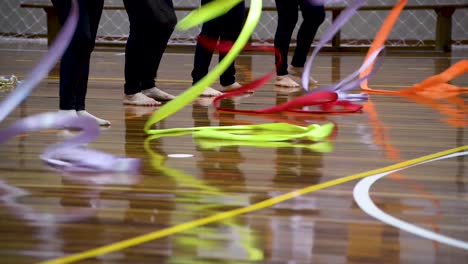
x=328 y=35
x=347 y=83
x=43 y=68
x=33 y=216
x=70 y=155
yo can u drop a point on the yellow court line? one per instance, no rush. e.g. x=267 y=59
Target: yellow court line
x=236 y=212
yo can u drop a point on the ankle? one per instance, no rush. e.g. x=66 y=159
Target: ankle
x=234 y=85
x=158 y=94
x=71 y=113
x=101 y=122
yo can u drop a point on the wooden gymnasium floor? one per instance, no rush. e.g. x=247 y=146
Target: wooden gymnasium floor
x=57 y=215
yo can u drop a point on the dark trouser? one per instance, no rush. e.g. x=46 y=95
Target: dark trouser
x=224 y=28
x=145 y=45
x=74 y=66
x=313 y=16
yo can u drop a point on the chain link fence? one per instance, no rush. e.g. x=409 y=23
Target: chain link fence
x=414 y=28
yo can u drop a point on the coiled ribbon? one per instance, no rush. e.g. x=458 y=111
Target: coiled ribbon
x=69 y=155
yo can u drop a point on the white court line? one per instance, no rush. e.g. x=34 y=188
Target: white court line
x=363 y=199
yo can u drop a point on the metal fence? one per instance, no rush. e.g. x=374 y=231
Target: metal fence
x=414 y=28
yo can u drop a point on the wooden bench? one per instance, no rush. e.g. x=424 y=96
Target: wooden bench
x=443 y=36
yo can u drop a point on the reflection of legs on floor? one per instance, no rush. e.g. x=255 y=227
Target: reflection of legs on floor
x=211 y=92
x=138 y=111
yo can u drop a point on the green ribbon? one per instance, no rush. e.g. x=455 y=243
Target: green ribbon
x=272 y=132
x=188 y=96
x=206 y=13
x=320 y=147
x=267 y=132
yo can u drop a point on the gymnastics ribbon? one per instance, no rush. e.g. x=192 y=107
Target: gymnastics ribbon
x=207 y=12
x=326 y=100
x=224 y=47
x=382 y=35
x=272 y=132
x=188 y=96
x=69 y=155
x=328 y=35
x=429 y=90
x=437 y=81
x=33 y=217
x=193 y=92
x=313 y=132
x=41 y=70
x=208 y=143
x=347 y=83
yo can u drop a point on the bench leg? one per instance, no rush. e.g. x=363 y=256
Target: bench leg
x=443 y=38
x=336 y=40
x=53 y=24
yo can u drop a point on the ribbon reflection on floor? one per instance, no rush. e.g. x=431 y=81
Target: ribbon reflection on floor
x=70 y=155
x=236 y=212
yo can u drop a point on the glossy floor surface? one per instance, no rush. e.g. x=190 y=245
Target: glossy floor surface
x=45 y=214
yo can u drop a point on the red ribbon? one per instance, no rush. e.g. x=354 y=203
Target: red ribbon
x=326 y=101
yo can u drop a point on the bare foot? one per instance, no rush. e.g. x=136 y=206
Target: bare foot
x=285 y=81
x=158 y=94
x=140 y=99
x=101 y=122
x=298 y=71
x=234 y=86
x=210 y=92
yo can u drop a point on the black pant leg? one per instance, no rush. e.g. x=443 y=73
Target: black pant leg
x=212 y=30
x=94 y=8
x=145 y=45
x=74 y=65
x=232 y=23
x=313 y=15
x=287 y=19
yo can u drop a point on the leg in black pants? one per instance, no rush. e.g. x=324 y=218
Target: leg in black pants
x=287 y=19
x=74 y=66
x=313 y=17
x=145 y=47
x=224 y=28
